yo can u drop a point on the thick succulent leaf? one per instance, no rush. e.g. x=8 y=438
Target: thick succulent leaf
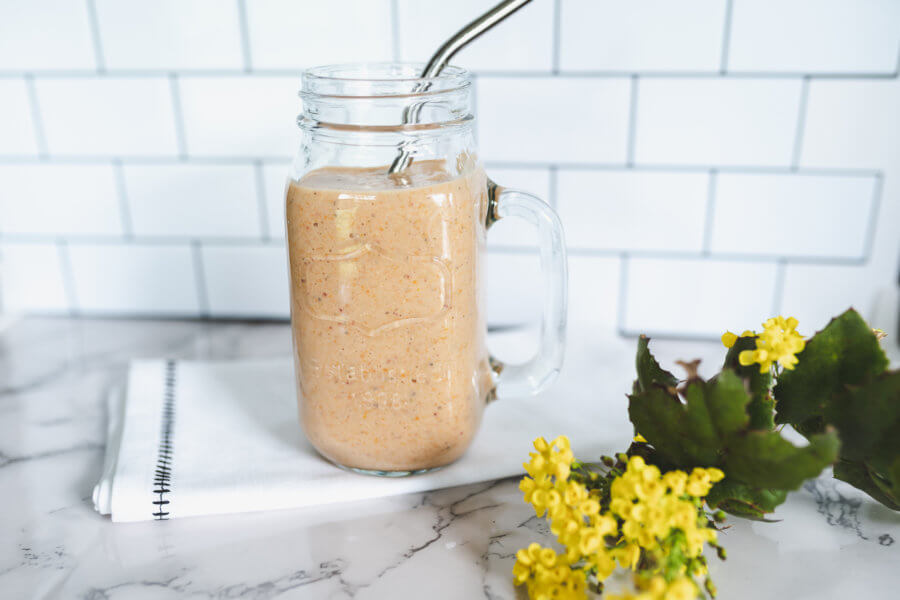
x=695 y=433
x=767 y=460
x=649 y=373
x=893 y=476
x=761 y=407
x=845 y=353
x=743 y=500
x=858 y=475
x=868 y=420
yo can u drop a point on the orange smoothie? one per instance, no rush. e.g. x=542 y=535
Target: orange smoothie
x=387 y=325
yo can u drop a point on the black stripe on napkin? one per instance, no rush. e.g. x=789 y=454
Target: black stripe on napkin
x=162 y=478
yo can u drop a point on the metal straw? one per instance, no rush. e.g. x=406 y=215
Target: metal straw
x=440 y=59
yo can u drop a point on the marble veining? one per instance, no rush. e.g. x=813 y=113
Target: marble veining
x=829 y=541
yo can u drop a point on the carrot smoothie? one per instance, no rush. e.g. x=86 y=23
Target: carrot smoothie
x=387 y=326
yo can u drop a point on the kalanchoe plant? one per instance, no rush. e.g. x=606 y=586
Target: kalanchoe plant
x=843 y=382
x=726 y=422
x=702 y=447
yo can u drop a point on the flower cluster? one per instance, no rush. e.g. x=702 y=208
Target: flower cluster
x=574 y=518
x=649 y=522
x=778 y=342
x=656 y=588
x=658 y=511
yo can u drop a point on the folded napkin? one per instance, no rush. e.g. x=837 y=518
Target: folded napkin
x=202 y=438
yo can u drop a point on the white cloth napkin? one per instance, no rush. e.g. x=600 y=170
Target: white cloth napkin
x=204 y=438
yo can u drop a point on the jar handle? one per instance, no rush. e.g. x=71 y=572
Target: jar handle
x=536 y=374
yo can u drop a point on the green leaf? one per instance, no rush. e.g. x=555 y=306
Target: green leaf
x=767 y=460
x=858 y=475
x=761 y=407
x=743 y=500
x=649 y=373
x=695 y=433
x=712 y=427
x=868 y=420
x=845 y=353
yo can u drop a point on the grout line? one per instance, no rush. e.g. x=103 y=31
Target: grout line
x=623 y=293
x=124 y=205
x=245 y=35
x=778 y=296
x=37 y=118
x=180 y=137
x=200 y=279
x=557 y=36
x=495 y=164
x=395 y=27
x=801 y=124
x=710 y=210
x=874 y=210
x=726 y=37
x=68 y=278
x=553 y=198
x=842 y=172
x=95 y=36
x=261 y=201
x=525 y=74
x=632 y=123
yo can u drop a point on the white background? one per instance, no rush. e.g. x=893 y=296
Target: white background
x=713 y=161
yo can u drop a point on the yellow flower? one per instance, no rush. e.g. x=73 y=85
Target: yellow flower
x=650 y=515
x=639 y=438
x=675 y=481
x=628 y=555
x=729 y=339
x=700 y=481
x=681 y=589
x=547 y=576
x=779 y=342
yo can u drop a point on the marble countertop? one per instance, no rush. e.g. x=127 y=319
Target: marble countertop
x=459 y=543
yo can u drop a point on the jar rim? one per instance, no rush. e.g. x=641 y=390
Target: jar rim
x=381 y=79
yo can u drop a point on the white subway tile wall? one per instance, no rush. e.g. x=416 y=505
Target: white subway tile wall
x=745 y=205
x=239 y=115
x=524 y=43
x=164 y=200
x=142 y=279
x=59 y=200
x=633 y=210
x=32 y=277
x=553 y=119
x=642 y=35
x=106 y=116
x=815 y=36
x=287 y=34
x=684 y=297
x=717 y=121
x=246 y=281
x=46 y=34
x=170 y=34
x=16 y=122
x=713 y=161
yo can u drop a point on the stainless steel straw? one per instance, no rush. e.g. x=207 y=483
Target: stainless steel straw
x=440 y=59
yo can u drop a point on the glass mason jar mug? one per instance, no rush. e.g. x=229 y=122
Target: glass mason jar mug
x=387 y=270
